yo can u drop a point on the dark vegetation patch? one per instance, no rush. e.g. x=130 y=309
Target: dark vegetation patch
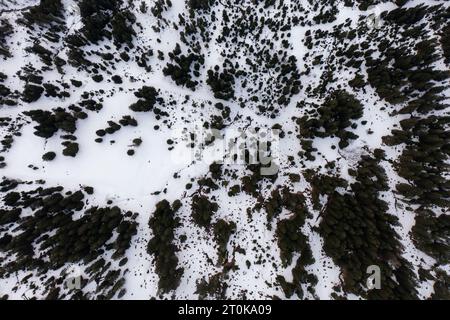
x=321 y=185
x=71 y=148
x=6 y=29
x=50 y=122
x=32 y=93
x=214 y=287
x=222 y=232
x=252 y=183
x=431 y=234
x=221 y=83
x=148 y=97
x=45 y=12
x=203 y=210
x=105 y=19
x=445 y=42
x=13 y=128
x=184 y=67
x=412 y=78
x=332 y=119
x=291 y=240
x=7 y=97
x=49 y=156
x=49 y=239
x=163 y=224
x=359 y=232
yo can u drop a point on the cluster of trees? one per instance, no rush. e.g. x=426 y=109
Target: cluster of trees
x=288 y=77
x=412 y=78
x=300 y=276
x=290 y=237
x=423 y=161
x=251 y=184
x=44 y=54
x=6 y=29
x=273 y=207
x=357 y=82
x=163 y=223
x=128 y=121
x=359 y=232
x=70 y=148
x=423 y=164
x=291 y=240
x=13 y=128
x=365 y=4
x=431 y=234
x=101 y=19
x=322 y=184
x=76 y=56
x=122 y=27
x=159 y=7
x=97 y=15
x=60 y=239
x=203 y=210
x=214 y=287
x=445 y=42
x=273 y=73
x=49 y=156
x=142 y=60
x=34 y=86
x=30 y=74
x=221 y=83
x=408 y=16
x=49 y=122
x=216 y=170
x=441 y=284
x=88 y=104
x=147 y=99
x=222 y=232
x=113 y=127
x=32 y=93
x=216 y=122
x=54 y=91
x=408 y=78
x=6 y=96
x=207 y=184
x=53 y=211
x=200 y=4
x=326 y=16
x=196 y=28
x=181 y=69
x=283 y=83
x=46 y=12
x=399 y=75
x=331 y=119
x=87 y=235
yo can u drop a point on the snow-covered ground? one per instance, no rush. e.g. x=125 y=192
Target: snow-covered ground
x=157 y=171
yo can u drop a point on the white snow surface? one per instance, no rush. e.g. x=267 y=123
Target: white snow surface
x=131 y=182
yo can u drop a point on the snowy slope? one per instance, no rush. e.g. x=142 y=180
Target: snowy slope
x=164 y=163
